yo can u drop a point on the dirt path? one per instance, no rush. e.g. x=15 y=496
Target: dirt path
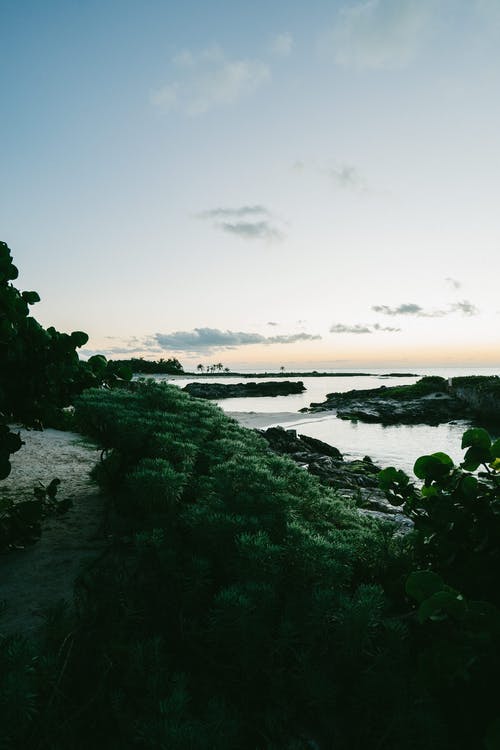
x=39 y=576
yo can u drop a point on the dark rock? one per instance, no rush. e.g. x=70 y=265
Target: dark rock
x=321 y=447
x=429 y=401
x=353 y=480
x=239 y=390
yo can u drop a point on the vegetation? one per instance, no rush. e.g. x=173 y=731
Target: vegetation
x=240 y=604
x=169 y=366
x=240 y=390
x=40 y=373
x=243 y=605
x=456 y=546
x=424 y=387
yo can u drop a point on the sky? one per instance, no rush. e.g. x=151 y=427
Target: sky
x=265 y=184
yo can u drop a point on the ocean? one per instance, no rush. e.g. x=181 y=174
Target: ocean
x=394 y=445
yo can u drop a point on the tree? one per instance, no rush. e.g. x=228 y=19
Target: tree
x=40 y=370
x=200 y=368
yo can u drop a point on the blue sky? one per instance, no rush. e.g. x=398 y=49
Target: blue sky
x=224 y=181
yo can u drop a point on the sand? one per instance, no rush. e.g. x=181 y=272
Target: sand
x=39 y=576
x=260 y=420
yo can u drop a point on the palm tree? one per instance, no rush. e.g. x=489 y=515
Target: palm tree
x=219 y=366
x=282 y=369
x=200 y=368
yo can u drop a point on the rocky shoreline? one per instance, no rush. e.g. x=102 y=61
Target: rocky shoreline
x=357 y=480
x=432 y=400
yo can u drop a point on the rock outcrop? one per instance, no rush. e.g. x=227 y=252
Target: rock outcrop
x=239 y=390
x=350 y=479
x=429 y=401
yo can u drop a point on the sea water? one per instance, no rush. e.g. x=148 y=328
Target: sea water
x=393 y=445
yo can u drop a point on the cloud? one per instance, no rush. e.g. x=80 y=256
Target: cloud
x=387 y=329
x=407 y=308
x=205 y=340
x=207 y=80
x=258 y=230
x=234 y=213
x=453 y=282
x=281 y=45
x=272 y=323
x=292 y=338
x=378 y=34
x=341 y=328
x=249 y=222
x=410 y=308
x=346 y=176
x=465 y=307
x=368 y=328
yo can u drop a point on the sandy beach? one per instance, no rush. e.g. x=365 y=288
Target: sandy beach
x=260 y=420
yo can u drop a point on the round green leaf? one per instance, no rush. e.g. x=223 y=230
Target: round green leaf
x=474 y=457
x=79 y=338
x=124 y=372
x=476 y=437
x=495 y=449
x=469 y=486
x=422 y=584
x=4 y=468
x=432 y=467
x=98 y=364
x=30 y=297
x=442 y=604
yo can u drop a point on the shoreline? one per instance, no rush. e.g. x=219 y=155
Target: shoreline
x=261 y=420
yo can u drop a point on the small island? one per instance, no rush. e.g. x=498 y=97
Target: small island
x=432 y=400
x=239 y=390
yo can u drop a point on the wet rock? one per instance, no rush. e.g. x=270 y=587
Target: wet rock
x=353 y=480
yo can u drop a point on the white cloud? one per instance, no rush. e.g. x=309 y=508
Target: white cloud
x=358 y=328
x=346 y=176
x=454 y=283
x=248 y=222
x=341 y=328
x=379 y=34
x=207 y=80
x=256 y=230
x=410 y=308
x=234 y=213
x=206 y=340
x=281 y=45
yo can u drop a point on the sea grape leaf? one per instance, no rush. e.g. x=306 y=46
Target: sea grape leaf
x=30 y=297
x=441 y=604
x=476 y=437
x=474 y=457
x=495 y=449
x=422 y=584
x=4 y=468
x=79 y=338
x=435 y=466
x=469 y=486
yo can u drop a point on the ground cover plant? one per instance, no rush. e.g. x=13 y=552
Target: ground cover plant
x=241 y=604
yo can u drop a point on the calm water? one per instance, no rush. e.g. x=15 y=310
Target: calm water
x=397 y=445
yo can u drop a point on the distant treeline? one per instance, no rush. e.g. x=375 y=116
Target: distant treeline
x=170 y=366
